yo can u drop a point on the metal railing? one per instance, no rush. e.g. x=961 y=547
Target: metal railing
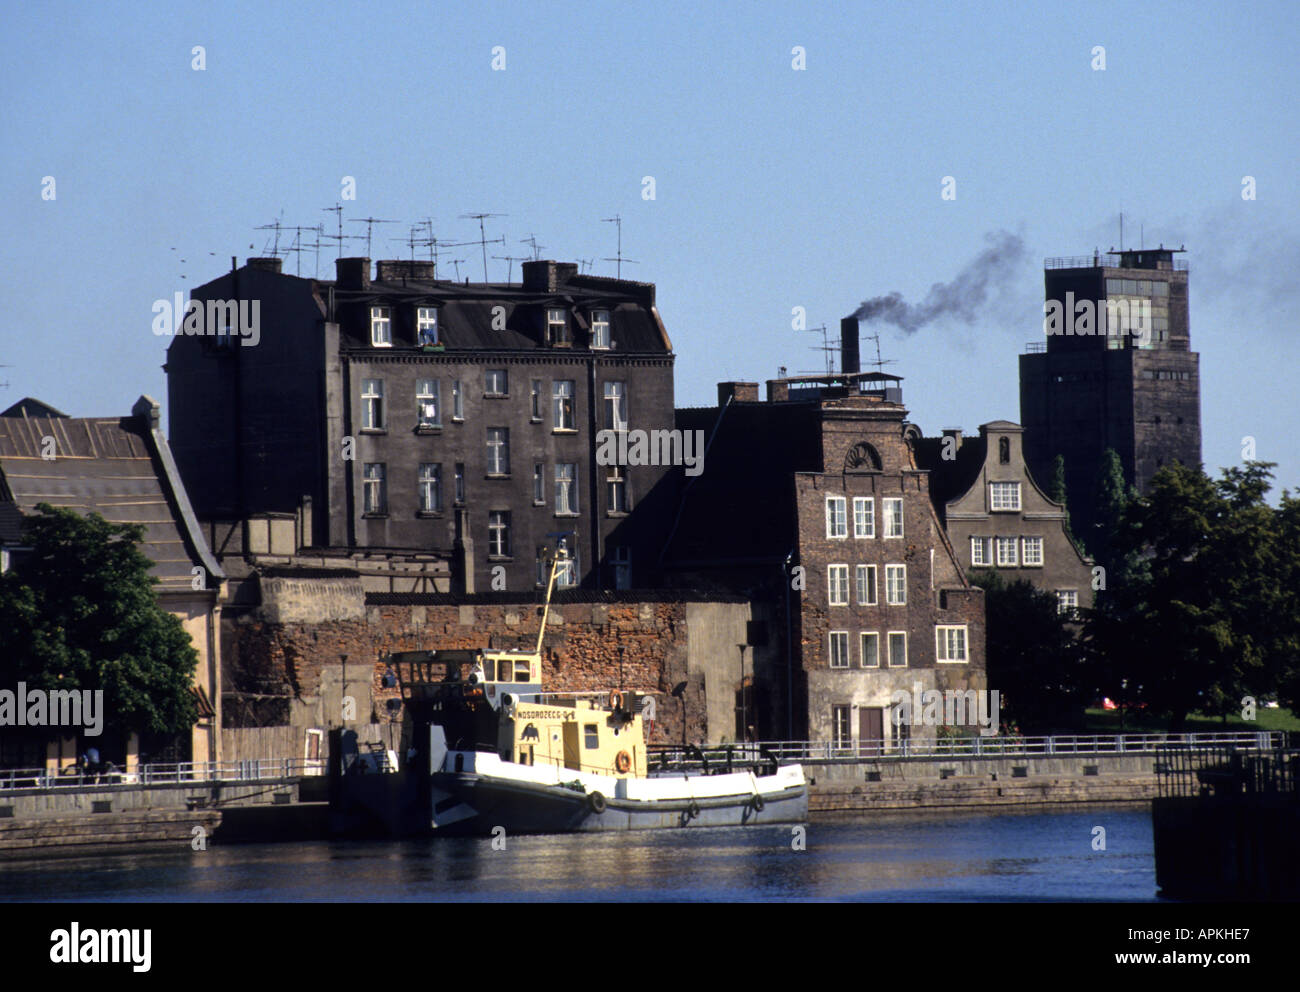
x=1103 y=260
x=162 y=773
x=1227 y=772
x=787 y=752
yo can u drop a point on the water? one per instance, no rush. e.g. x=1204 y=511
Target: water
x=885 y=857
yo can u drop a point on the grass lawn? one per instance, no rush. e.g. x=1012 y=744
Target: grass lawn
x=1101 y=721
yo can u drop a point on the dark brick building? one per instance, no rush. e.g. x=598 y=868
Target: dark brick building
x=441 y=427
x=1083 y=391
x=813 y=503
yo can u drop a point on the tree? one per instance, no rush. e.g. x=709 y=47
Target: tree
x=79 y=612
x=1033 y=659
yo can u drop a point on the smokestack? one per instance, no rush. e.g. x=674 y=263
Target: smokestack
x=850 y=361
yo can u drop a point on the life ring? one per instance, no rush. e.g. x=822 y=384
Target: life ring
x=622 y=762
x=597 y=802
x=758 y=803
x=615 y=700
x=693 y=810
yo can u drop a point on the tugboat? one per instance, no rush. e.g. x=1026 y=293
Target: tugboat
x=503 y=752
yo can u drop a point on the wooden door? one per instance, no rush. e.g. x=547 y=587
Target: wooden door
x=871 y=729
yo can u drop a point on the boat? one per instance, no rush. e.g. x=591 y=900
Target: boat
x=503 y=752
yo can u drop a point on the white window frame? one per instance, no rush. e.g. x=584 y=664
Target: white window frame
x=458 y=495
x=833 y=638
x=566 y=576
x=864 y=517
x=374 y=496
x=837 y=585
x=430 y=486
x=562 y=405
x=492 y=387
x=616 y=406
x=498 y=533
x=616 y=487
x=837 y=520
x=865 y=637
x=892 y=510
x=1065 y=606
x=372 y=404
x=599 y=340
x=984 y=558
x=1004 y=497
x=1031 y=542
x=381 y=327
x=889 y=647
x=557 y=326
x=539 y=483
x=457 y=400
x=535 y=400
x=427 y=394
x=949 y=640
x=899 y=571
x=566 y=489
x=622 y=562
x=869 y=591
x=842 y=736
x=1002 y=560
x=426 y=320
x=498 y=451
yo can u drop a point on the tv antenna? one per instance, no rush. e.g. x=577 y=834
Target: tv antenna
x=483 y=241
x=827 y=347
x=879 y=363
x=5 y=384
x=457 y=262
x=586 y=263
x=617 y=220
x=370 y=223
x=276 y=226
x=337 y=210
x=531 y=241
x=510 y=260
x=298 y=245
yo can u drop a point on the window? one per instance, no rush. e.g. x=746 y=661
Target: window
x=870 y=647
x=539 y=483
x=981 y=551
x=1067 y=601
x=535 y=400
x=522 y=673
x=864 y=516
x=1004 y=451
x=457 y=401
x=897 y=649
x=381 y=327
x=590 y=736
x=950 y=645
x=426 y=325
x=427 y=405
x=495 y=383
x=1004 y=496
x=430 y=487
x=837 y=524
x=893 y=510
x=896 y=585
x=842 y=726
x=567 y=575
x=616 y=406
x=1006 y=547
x=866 y=583
x=566 y=489
x=498 y=451
x=499 y=534
x=1031 y=551
x=562 y=404
x=600 y=328
x=460 y=484
x=839 y=640
x=372 y=404
x=616 y=483
x=557 y=327
x=622 y=568
x=374 y=490
x=838 y=585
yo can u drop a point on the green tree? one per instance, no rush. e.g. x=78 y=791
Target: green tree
x=79 y=612
x=1033 y=658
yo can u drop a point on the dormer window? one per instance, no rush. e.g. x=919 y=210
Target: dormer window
x=426 y=325
x=600 y=329
x=557 y=328
x=381 y=327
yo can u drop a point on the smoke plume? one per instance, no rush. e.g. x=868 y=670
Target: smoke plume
x=965 y=297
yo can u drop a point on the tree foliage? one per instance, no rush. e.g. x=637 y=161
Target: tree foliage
x=79 y=612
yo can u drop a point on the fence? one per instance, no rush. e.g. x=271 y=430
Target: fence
x=1227 y=772
x=163 y=773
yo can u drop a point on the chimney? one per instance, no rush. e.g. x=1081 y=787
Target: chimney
x=955 y=434
x=352 y=273
x=850 y=362
x=740 y=392
x=778 y=390
x=265 y=264
x=546 y=276
x=398 y=270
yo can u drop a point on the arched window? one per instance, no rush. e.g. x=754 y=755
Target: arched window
x=1004 y=450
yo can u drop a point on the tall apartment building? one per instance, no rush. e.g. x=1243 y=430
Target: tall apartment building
x=428 y=427
x=1082 y=391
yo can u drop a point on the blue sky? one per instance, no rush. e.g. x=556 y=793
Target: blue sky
x=774 y=188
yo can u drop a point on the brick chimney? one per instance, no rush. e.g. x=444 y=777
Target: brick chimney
x=546 y=276
x=400 y=269
x=778 y=390
x=265 y=264
x=352 y=273
x=849 y=359
x=740 y=392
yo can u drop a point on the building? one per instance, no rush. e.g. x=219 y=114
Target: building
x=1135 y=389
x=433 y=435
x=122 y=469
x=998 y=517
x=813 y=504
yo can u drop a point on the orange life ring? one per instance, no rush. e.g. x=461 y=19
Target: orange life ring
x=622 y=762
x=615 y=699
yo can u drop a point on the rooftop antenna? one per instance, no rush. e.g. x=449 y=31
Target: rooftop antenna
x=879 y=363
x=298 y=246
x=826 y=347
x=617 y=220
x=337 y=210
x=275 y=247
x=319 y=231
x=456 y=262
x=531 y=241
x=510 y=260
x=586 y=263
x=370 y=223
x=5 y=384
x=483 y=241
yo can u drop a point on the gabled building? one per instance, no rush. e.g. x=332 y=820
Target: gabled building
x=996 y=515
x=431 y=434
x=122 y=469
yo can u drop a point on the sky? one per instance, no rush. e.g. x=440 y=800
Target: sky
x=748 y=187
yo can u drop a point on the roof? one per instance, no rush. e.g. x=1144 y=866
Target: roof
x=29 y=407
x=118 y=467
